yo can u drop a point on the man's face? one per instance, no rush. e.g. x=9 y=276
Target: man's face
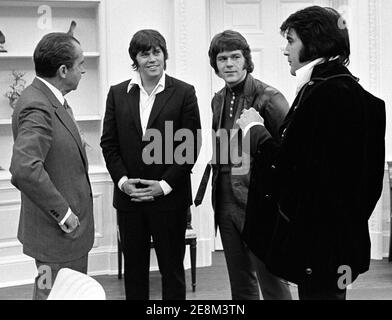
x=74 y=74
x=292 y=51
x=151 y=64
x=231 y=67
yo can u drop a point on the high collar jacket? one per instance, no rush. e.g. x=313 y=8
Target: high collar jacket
x=312 y=192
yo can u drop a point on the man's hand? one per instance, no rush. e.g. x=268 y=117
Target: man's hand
x=129 y=186
x=137 y=194
x=70 y=224
x=152 y=190
x=248 y=116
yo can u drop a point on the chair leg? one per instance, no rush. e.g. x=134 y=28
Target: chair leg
x=193 y=263
x=119 y=259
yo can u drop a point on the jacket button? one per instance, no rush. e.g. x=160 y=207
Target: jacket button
x=308 y=271
x=267 y=196
x=273 y=167
x=311 y=83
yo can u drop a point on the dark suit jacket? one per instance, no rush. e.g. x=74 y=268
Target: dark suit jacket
x=49 y=166
x=312 y=194
x=272 y=106
x=123 y=146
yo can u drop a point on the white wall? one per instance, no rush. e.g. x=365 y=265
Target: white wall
x=386 y=68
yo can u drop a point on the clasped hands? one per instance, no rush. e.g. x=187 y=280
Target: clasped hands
x=148 y=193
x=248 y=116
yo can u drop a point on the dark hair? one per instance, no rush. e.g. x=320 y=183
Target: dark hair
x=230 y=40
x=323 y=32
x=53 y=50
x=145 y=40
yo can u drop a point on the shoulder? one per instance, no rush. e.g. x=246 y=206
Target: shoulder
x=178 y=84
x=33 y=98
x=266 y=89
x=120 y=87
x=267 y=95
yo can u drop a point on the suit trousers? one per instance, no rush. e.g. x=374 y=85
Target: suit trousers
x=47 y=273
x=167 y=228
x=246 y=271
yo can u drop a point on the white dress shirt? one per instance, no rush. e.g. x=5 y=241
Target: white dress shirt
x=146 y=103
x=59 y=96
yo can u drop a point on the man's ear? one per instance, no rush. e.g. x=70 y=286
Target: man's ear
x=62 y=71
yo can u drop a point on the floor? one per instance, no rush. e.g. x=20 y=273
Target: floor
x=212 y=284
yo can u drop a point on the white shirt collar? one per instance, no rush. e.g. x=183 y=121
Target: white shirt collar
x=137 y=80
x=304 y=74
x=57 y=93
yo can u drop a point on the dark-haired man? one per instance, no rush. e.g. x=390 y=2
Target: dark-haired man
x=49 y=165
x=322 y=181
x=151 y=197
x=230 y=57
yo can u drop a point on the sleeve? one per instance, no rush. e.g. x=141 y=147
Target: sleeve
x=275 y=111
x=263 y=141
x=190 y=119
x=165 y=187
x=32 y=144
x=110 y=142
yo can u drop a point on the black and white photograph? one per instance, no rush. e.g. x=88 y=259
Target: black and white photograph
x=209 y=151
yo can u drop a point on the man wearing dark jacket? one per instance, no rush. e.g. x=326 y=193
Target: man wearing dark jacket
x=146 y=121
x=231 y=59
x=322 y=179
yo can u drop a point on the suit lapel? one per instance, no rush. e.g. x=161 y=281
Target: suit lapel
x=63 y=116
x=218 y=111
x=160 y=101
x=133 y=100
x=67 y=121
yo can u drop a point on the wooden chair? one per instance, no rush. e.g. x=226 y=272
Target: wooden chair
x=190 y=240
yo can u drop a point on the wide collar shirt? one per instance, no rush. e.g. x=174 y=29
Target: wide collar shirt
x=146 y=101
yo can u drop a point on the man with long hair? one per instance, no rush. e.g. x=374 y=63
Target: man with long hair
x=325 y=174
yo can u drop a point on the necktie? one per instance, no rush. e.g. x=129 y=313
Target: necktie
x=203 y=185
x=69 y=110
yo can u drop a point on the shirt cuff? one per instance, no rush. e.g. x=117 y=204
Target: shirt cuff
x=165 y=187
x=61 y=223
x=121 y=182
x=251 y=125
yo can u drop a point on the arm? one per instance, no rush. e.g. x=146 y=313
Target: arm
x=32 y=144
x=275 y=111
x=264 y=124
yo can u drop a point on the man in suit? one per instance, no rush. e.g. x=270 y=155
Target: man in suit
x=140 y=142
x=319 y=185
x=230 y=57
x=49 y=165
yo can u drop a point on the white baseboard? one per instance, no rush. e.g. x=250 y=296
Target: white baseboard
x=21 y=270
